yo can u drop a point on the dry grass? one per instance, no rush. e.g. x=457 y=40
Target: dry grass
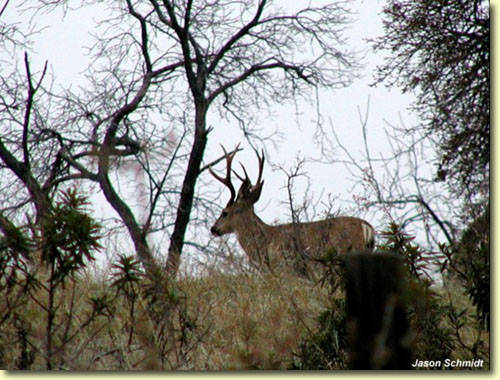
x=240 y=321
x=253 y=321
x=217 y=322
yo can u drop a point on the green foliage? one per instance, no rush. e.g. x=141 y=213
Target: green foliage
x=441 y=324
x=440 y=50
x=102 y=304
x=427 y=312
x=469 y=259
x=325 y=349
x=417 y=260
x=127 y=275
x=39 y=281
x=12 y=243
x=442 y=320
x=15 y=248
x=69 y=236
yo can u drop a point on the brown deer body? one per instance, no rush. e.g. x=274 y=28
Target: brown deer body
x=298 y=245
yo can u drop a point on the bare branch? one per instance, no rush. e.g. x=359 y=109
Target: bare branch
x=297 y=70
x=32 y=89
x=4 y=7
x=237 y=36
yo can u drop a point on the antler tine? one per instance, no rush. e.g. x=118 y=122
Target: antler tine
x=227 y=180
x=261 y=166
x=261 y=169
x=247 y=178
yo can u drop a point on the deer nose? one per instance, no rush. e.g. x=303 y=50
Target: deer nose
x=215 y=231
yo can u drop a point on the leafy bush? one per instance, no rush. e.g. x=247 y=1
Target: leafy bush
x=38 y=283
x=325 y=348
x=470 y=262
x=442 y=325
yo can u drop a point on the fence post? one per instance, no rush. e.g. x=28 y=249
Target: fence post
x=378 y=332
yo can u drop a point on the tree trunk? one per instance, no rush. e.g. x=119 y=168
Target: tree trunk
x=187 y=192
x=138 y=236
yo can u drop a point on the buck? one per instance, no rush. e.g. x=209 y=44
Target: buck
x=295 y=244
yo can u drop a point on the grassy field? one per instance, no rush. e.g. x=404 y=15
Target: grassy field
x=241 y=321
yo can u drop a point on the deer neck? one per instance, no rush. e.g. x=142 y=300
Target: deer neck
x=253 y=234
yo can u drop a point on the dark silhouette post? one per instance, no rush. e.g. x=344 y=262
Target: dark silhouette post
x=378 y=330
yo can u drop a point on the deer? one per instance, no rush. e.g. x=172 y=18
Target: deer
x=298 y=245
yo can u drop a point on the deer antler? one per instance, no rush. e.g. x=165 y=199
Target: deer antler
x=261 y=169
x=227 y=180
x=247 y=190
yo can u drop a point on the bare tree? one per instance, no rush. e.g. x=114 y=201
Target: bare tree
x=22 y=173
x=399 y=186
x=158 y=68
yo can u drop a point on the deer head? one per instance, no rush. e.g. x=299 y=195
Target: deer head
x=240 y=206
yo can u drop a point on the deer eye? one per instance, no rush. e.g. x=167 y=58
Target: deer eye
x=224 y=213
